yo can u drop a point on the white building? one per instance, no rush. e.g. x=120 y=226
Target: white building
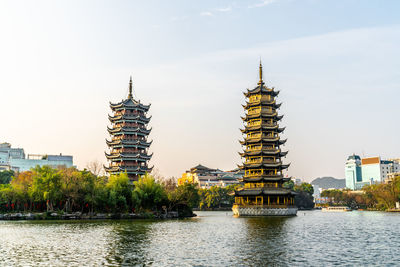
x=360 y=172
x=14 y=159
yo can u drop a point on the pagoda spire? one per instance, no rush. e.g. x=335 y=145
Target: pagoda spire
x=130 y=88
x=260 y=72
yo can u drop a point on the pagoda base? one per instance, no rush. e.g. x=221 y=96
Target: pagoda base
x=261 y=210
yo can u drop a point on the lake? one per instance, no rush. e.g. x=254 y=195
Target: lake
x=212 y=239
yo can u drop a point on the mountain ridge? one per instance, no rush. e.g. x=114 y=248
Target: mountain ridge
x=329 y=182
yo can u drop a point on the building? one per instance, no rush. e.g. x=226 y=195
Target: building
x=206 y=177
x=14 y=159
x=128 y=145
x=372 y=170
x=375 y=170
x=353 y=173
x=263 y=193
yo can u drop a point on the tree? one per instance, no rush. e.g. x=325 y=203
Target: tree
x=96 y=167
x=46 y=186
x=148 y=194
x=21 y=185
x=6 y=176
x=119 y=192
x=184 y=198
x=304 y=198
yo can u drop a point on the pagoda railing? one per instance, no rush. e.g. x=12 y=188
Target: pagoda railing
x=263 y=161
x=274 y=206
x=258 y=148
x=258 y=172
x=258 y=101
x=259 y=111
x=261 y=185
x=262 y=136
x=263 y=125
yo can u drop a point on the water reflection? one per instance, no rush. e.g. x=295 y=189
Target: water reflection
x=265 y=242
x=127 y=243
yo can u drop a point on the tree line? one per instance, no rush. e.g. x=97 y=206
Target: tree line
x=44 y=189
x=374 y=197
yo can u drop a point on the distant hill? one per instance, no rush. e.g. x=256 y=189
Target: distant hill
x=329 y=182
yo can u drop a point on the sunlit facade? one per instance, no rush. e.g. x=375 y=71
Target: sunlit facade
x=263 y=193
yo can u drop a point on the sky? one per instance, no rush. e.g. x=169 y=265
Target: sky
x=336 y=64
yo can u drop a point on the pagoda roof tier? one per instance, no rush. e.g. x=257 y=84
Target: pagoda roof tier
x=265 y=178
x=129 y=143
x=277 y=152
x=128 y=169
x=263 y=191
x=276 y=141
x=264 y=126
x=259 y=140
x=129 y=117
x=259 y=115
x=273 y=165
x=130 y=104
x=261 y=88
x=128 y=130
x=128 y=156
x=263 y=103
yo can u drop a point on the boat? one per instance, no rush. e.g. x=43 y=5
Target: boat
x=336 y=209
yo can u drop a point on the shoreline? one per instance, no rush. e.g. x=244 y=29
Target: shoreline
x=48 y=216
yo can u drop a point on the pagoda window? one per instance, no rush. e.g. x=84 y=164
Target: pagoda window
x=270 y=159
x=266 y=98
x=267 y=109
x=254 y=110
x=254 y=98
x=254 y=172
x=254 y=160
x=256 y=122
x=254 y=147
x=254 y=135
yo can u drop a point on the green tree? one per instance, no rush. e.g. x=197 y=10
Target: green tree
x=304 y=198
x=184 y=198
x=6 y=176
x=148 y=194
x=120 y=192
x=46 y=186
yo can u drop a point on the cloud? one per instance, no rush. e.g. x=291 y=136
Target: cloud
x=262 y=3
x=206 y=14
x=179 y=18
x=224 y=9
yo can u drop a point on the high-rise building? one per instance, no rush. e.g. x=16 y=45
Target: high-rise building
x=353 y=172
x=263 y=193
x=128 y=144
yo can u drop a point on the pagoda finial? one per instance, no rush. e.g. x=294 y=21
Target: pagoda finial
x=260 y=71
x=130 y=88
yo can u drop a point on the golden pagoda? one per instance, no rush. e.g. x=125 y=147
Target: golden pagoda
x=263 y=193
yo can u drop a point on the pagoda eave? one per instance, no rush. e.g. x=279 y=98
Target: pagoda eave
x=263 y=191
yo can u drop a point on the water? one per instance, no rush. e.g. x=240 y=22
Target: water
x=313 y=238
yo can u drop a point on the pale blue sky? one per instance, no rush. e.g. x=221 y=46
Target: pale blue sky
x=337 y=64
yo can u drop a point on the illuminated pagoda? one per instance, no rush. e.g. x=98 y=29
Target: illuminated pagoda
x=263 y=193
x=128 y=145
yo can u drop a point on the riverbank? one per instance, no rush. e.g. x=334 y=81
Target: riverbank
x=91 y=216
